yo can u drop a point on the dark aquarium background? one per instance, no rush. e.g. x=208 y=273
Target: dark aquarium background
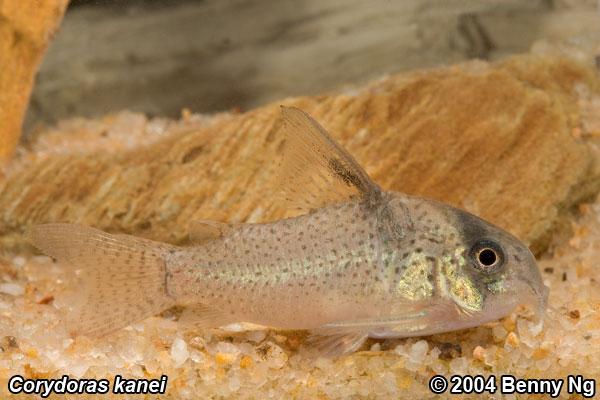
x=159 y=56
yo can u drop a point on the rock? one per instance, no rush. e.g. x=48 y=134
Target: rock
x=450 y=351
x=179 y=352
x=25 y=30
x=418 y=351
x=164 y=59
x=225 y=358
x=479 y=353
x=13 y=289
x=494 y=139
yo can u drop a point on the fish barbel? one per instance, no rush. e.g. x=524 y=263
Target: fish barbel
x=361 y=262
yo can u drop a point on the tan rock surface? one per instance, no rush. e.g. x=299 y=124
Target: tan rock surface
x=505 y=141
x=26 y=27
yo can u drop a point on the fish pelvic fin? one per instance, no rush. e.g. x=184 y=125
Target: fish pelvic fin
x=124 y=277
x=330 y=342
x=202 y=316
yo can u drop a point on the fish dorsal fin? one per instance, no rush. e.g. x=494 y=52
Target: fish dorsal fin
x=203 y=231
x=316 y=170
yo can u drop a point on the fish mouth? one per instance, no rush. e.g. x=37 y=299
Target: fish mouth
x=535 y=293
x=531 y=297
x=542 y=298
x=536 y=297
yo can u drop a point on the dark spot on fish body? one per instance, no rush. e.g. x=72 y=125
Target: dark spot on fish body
x=548 y=270
x=564 y=276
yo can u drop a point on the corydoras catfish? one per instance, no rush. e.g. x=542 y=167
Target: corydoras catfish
x=361 y=262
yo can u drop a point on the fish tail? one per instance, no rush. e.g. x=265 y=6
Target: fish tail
x=124 y=277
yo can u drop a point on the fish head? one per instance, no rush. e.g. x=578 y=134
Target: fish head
x=501 y=266
x=484 y=270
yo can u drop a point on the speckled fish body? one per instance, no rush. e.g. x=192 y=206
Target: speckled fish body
x=339 y=264
x=360 y=262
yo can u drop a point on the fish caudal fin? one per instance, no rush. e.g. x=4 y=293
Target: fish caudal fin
x=124 y=277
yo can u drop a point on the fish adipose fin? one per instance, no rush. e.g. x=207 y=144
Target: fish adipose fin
x=203 y=231
x=317 y=171
x=204 y=316
x=124 y=277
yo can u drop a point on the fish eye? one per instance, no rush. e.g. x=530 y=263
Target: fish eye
x=487 y=256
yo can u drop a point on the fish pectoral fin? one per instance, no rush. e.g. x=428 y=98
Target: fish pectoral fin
x=339 y=338
x=316 y=170
x=203 y=231
x=333 y=342
x=200 y=315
